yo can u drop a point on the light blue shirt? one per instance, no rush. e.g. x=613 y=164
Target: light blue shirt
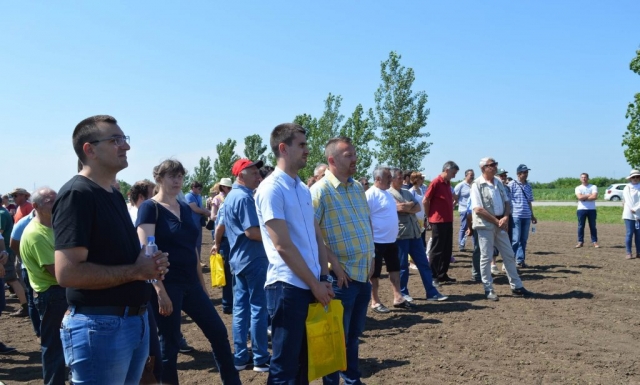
x=282 y=197
x=462 y=191
x=19 y=227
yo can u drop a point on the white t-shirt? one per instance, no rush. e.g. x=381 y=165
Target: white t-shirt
x=133 y=213
x=476 y=200
x=384 y=215
x=586 y=190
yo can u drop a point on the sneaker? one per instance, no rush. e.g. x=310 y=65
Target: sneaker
x=629 y=256
x=521 y=291
x=494 y=270
x=595 y=244
x=579 y=245
x=404 y=305
x=491 y=295
x=521 y=265
x=244 y=366
x=413 y=267
x=262 y=367
x=381 y=309
x=4 y=349
x=184 y=346
x=436 y=283
x=446 y=278
x=408 y=298
x=438 y=297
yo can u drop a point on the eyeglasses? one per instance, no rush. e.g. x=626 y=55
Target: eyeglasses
x=494 y=164
x=118 y=140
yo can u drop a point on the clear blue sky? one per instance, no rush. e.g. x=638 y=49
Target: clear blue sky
x=544 y=83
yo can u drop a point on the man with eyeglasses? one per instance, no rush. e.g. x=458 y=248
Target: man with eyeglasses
x=490 y=206
x=98 y=258
x=522 y=197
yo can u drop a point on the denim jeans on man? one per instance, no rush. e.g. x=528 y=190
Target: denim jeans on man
x=105 y=349
x=52 y=304
x=33 y=311
x=288 y=307
x=519 y=237
x=250 y=313
x=355 y=300
x=227 y=290
x=192 y=299
x=633 y=230
x=419 y=256
x=476 y=274
x=591 y=215
x=462 y=237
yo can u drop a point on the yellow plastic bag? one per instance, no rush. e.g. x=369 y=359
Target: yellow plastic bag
x=325 y=339
x=217 y=270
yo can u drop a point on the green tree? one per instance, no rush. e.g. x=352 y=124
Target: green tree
x=400 y=114
x=124 y=188
x=254 y=149
x=631 y=138
x=319 y=131
x=204 y=174
x=226 y=158
x=360 y=130
x=186 y=182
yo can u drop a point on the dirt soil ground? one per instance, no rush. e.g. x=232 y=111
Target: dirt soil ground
x=582 y=327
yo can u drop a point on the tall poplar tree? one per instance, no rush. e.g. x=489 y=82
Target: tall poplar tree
x=226 y=158
x=254 y=149
x=359 y=128
x=631 y=138
x=401 y=115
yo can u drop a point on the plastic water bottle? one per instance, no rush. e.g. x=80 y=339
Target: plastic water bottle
x=151 y=249
x=533 y=229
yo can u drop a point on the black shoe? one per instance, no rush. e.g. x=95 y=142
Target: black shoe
x=184 y=346
x=446 y=278
x=521 y=264
x=227 y=311
x=404 y=305
x=262 y=367
x=522 y=291
x=4 y=349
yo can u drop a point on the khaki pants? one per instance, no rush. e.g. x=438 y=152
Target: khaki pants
x=487 y=239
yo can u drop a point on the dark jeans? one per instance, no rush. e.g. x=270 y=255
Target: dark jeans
x=355 y=300
x=475 y=259
x=419 y=256
x=227 y=290
x=288 y=306
x=441 y=248
x=52 y=304
x=633 y=230
x=583 y=215
x=33 y=311
x=192 y=299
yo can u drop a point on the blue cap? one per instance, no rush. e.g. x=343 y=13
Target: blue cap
x=522 y=168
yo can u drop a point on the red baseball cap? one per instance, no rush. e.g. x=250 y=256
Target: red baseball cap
x=241 y=164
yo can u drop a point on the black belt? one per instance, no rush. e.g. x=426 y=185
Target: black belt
x=120 y=311
x=498 y=217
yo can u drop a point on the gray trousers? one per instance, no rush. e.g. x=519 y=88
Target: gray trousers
x=487 y=239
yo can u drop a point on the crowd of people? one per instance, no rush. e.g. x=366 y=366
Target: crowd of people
x=107 y=305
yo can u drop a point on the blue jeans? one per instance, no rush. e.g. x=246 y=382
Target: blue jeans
x=250 y=313
x=227 y=290
x=52 y=304
x=519 y=237
x=583 y=215
x=192 y=299
x=288 y=306
x=463 y=228
x=105 y=349
x=633 y=229
x=33 y=312
x=419 y=256
x=355 y=300
x=475 y=259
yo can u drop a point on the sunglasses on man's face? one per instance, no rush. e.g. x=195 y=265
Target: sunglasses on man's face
x=494 y=164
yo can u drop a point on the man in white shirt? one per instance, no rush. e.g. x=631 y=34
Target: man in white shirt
x=587 y=195
x=384 y=220
x=490 y=205
x=298 y=272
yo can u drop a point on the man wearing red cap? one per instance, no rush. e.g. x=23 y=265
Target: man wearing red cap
x=248 y=261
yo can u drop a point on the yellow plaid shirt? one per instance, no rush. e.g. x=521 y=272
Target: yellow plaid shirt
x=343 y=214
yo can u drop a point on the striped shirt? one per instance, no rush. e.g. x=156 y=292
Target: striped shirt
x=521 y=196
x=343 y=214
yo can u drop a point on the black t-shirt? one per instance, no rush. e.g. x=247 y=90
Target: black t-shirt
x=86 y=215
x=176 y=236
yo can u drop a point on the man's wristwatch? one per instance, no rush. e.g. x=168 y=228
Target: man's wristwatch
x=326 y=278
